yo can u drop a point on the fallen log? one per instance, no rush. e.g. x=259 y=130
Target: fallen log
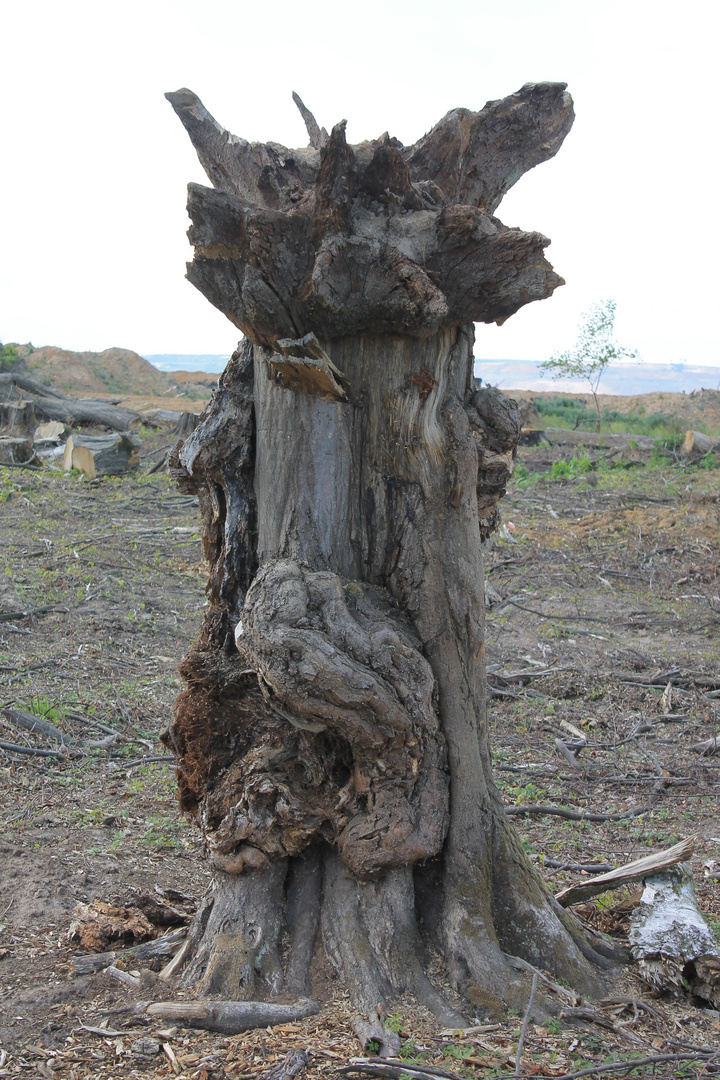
x=230 y=1017
x=27 y=401
x=696 y=442
x=12 y=379
x=669 y=937
x=708 y=747
x=98 y=455
x=610 y=440
x=76 y=411
x=640 y=868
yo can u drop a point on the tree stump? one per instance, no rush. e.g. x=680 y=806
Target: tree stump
x=332 y=740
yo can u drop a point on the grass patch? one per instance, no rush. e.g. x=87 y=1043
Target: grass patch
x=568 y=412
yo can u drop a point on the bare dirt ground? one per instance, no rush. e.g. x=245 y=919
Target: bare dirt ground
x=604 y=611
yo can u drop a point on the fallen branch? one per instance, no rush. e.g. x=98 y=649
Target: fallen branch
x=11 y=616
x=563 y=618
x=594 y=1017
x=122 y=976
x=578 y=868
x=230 y=1017
x=585 y=815
x=707 y=748
x=87 y=963
x=521 y=676
x=401 y=1071
x=142 y=761
x=31 y=751
x=35 y=725
x=650 y=864
x=526 y=1020
x=637 y=1003
x=568 y=754
x=632 y=1063
x=294 y=1062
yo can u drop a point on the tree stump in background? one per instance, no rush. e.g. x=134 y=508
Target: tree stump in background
x=332 y=739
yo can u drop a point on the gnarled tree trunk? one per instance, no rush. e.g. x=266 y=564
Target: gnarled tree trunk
x=332 y=739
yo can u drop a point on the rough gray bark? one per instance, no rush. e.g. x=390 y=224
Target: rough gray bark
x=332 y=739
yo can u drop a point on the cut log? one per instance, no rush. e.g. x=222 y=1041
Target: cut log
x=18 y=416
x=531 y=436
x=675 y=948
x=49 y=404
x=98 y=455
x=76 y=411
x=640 y=868
x=695 y=442
x=187 y=423
x=15 y=450
x=50 y=432
x=230 y=1017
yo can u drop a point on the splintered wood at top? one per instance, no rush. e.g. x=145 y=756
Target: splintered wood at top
x=650 y=864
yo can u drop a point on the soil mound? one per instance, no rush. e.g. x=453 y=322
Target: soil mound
x=113 y=371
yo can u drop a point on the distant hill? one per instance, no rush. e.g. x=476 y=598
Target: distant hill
x=113 y=371
x=117 y=372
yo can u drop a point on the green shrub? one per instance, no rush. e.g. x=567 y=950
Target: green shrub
x=9 y=357
x=560 y=470
x=579 y=465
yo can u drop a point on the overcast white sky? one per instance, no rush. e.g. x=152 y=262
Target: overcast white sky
x=95 y=163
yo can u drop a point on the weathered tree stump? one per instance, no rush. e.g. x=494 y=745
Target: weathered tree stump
x=332 y=740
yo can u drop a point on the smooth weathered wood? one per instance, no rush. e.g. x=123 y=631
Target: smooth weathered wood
x=230 y=1017
x=123 y=977
x=622 y=875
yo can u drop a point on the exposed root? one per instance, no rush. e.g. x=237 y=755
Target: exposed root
x=230 y=1017
x=529 y=923
x=235 y=936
